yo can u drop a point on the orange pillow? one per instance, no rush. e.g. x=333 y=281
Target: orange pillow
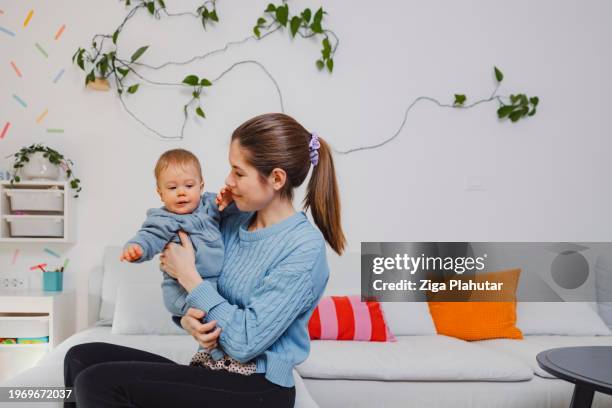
x=481 y=317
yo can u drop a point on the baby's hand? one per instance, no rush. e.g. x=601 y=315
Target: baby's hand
x=224 y=198
x=131 y=253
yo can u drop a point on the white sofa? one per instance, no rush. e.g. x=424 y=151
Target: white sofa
x=433 y=370
x=416 y=371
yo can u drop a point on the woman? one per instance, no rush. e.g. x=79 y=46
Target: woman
x=274 y=274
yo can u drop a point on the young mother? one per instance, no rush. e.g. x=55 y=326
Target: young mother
x=274 y=274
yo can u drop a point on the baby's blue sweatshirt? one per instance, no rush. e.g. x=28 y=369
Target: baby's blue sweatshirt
x=161 y=226
x=272 y=280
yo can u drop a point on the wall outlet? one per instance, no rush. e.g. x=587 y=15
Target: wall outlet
x=13 y=282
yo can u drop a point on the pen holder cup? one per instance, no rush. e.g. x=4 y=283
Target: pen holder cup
x=53 y=281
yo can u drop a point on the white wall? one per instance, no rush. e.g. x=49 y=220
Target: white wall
x=545 y=179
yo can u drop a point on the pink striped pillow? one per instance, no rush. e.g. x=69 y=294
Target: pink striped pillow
x=348 y=318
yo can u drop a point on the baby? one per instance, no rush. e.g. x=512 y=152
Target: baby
x=180 y=185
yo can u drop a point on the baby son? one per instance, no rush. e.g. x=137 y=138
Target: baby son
x=180 y=186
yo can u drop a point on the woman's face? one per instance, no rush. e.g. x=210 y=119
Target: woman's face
x=251 y=192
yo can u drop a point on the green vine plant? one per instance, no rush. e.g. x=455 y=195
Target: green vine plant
x=515 y=107
x=22 y=157
x=519 y=107
x=103 y=60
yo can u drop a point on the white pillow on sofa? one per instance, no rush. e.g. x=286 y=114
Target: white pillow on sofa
x=409 y=318
x=560 y=318
x=117 y=273
x=139 y=309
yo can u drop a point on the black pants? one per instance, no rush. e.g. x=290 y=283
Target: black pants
x=108 y=375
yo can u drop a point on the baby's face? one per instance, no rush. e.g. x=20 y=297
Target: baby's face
x=180 y=188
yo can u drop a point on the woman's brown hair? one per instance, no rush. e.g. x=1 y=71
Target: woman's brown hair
x=276 y=140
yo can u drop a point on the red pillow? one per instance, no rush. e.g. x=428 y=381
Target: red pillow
x=348 y=318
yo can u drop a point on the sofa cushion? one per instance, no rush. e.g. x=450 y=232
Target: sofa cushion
x=526 y=350
x=411 y=358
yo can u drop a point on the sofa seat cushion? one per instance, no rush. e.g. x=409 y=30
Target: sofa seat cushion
x=411 y=358
x=527 y=349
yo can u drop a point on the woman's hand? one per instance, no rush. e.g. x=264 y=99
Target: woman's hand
x=205 y=334
x=178 y=261
x=224 y=198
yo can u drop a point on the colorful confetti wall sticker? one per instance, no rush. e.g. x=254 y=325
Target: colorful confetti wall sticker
x=5 y=129
x=7 y=31
x=58 y=76
x=17 y=71
x=41 y=49
x=28 y=18
x=50 y=252
x=39 y=266
x=60 y=31
x=21 y=101
x=42 y=116
x=15 y=255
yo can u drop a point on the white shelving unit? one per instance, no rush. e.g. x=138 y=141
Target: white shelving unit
x=33 y=311
x=60 y=215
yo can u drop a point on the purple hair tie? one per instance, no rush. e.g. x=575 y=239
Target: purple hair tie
x=313 y=146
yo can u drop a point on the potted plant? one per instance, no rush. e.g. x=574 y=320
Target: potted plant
x=38 y=161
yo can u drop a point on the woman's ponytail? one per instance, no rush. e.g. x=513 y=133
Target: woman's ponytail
x=323 y=198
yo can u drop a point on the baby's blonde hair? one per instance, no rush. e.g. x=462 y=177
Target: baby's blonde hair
x=177 y=157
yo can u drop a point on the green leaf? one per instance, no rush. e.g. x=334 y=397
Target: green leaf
x=213 y=15
x=162 y=4
x=132 y=89
x=514 y=98
x=320 y=64
x=151 y=7
x=330 y=65
x=261 y=21
x=282 y=14
x=318 y=16
x=115 y=35
x=17 y=179
x=200 y=112
x=459 y=99
x=80 y=61
x=533 y=111
x=316 y=27
x=205 y=82
x=191 y=80
x=271 y=8
x=75 y=54
x=91 y=77
x=123 y=71
x=103 y=66
x=326 y=51
x=498 y=75
x=504 y=111
x=535 y=100
x=256 y=31
x=306 y=14
x=139 y=53
x=295 y=25
x=516 y=115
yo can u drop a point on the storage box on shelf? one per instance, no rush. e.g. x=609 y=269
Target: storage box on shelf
x=37 y=211
x=32 y=314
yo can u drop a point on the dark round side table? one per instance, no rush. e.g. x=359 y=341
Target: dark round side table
x=589 y=368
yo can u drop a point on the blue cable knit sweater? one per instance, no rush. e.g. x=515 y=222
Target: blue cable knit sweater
x=272 y=280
